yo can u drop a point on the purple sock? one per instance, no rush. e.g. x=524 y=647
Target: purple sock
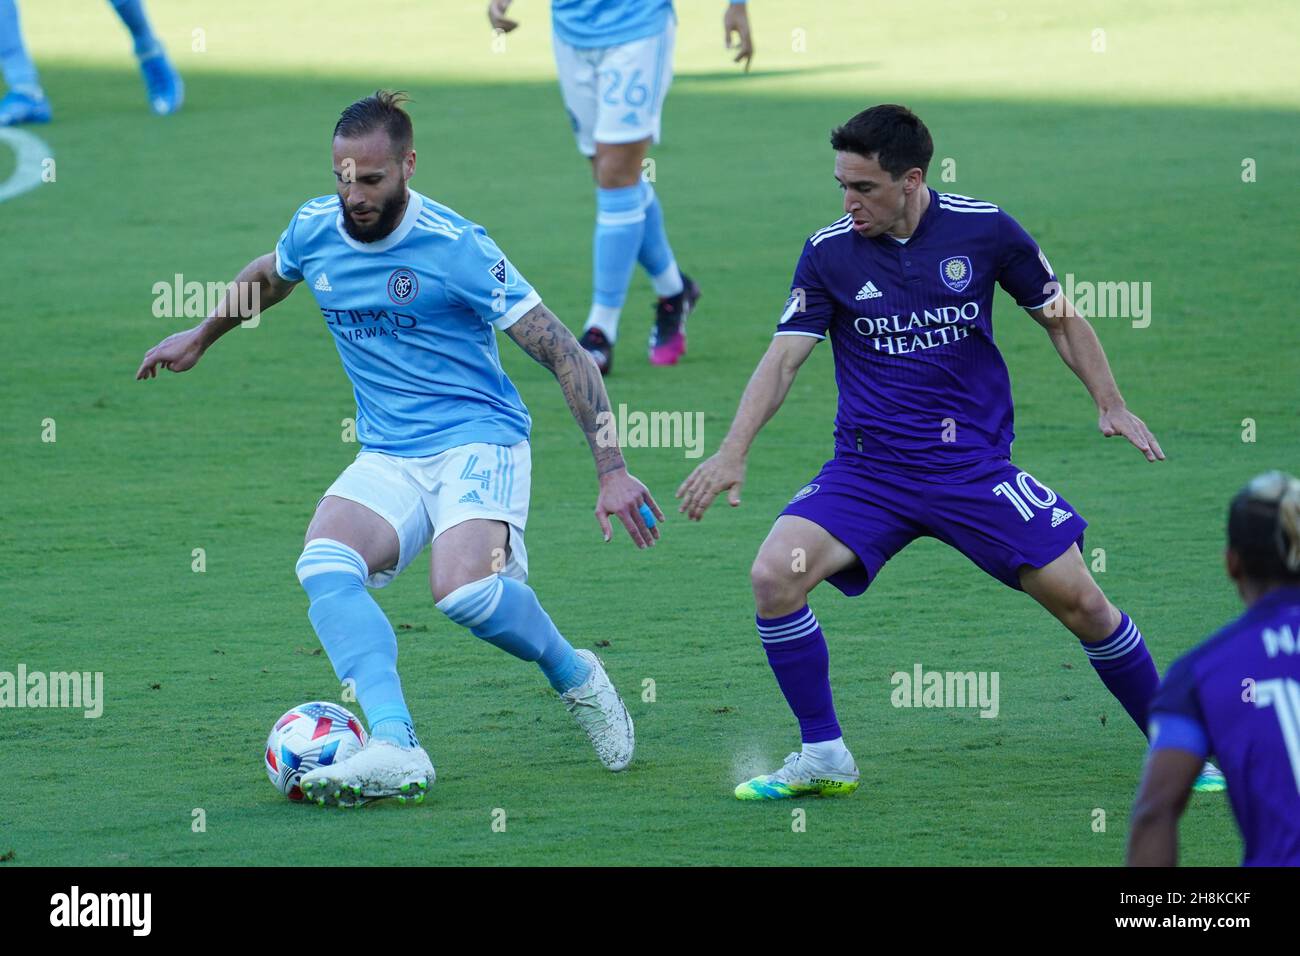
x=1125 y=667
x=796 y=651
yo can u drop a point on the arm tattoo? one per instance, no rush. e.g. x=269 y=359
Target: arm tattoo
x=551 y=344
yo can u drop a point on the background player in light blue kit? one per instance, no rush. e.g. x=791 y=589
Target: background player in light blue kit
x=1237 y=696
x=615 y=63
x=903 y=286
x=413 y=294
x=26 y=102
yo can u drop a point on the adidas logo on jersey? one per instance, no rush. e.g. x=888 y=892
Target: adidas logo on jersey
x=1059 y=515
x=868 y=291
x=323 y=284
x=470 y=498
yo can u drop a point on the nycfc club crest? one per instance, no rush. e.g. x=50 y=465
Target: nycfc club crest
x=955 y=272
x=402 y=286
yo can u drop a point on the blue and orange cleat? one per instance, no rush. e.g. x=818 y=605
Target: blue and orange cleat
x=163 y=84
x=799 y=778
x=17 y=108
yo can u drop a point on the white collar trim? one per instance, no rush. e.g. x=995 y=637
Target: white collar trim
x=414 y=206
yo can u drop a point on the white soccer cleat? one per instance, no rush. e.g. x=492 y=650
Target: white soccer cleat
x=379 y=769
x=601 y=713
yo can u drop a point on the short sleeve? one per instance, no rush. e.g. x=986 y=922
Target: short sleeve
x=485 y=281
x=1023 y=270
x=809 y=309
x=1177 y=721
x=287 y=263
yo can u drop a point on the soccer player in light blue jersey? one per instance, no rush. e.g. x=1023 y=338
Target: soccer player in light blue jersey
x=26 y=101
x=615 y=63
x=413 y=295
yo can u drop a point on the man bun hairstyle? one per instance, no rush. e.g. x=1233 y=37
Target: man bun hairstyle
x=381 y=110
x=1264 y=527
x=893 y=133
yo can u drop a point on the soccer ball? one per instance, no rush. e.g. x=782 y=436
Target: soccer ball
x=309 y=736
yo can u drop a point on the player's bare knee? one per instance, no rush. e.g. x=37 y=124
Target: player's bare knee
x=1095 y=612
x=1088 y=614
x=445 y=584
x=617 y=168
x=777 y=589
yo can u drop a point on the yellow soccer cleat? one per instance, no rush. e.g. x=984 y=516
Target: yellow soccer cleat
x=798 y=777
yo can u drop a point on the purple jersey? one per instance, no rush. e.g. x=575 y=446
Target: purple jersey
x=921 y=382
x=1237 y=696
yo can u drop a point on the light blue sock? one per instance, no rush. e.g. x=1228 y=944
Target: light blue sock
x=133 y=15
x=656 y=255
x=356 y=635
x=19 y=70
x=620 y=223
x=506 y=613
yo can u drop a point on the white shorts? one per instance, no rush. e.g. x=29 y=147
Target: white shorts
x=615 y=94
x=423 y=497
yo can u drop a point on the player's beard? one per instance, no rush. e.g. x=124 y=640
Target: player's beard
x=384 y=223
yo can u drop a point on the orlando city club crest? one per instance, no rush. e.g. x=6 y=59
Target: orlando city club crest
x=402 y=286
x=804 y=492
x=955 y=272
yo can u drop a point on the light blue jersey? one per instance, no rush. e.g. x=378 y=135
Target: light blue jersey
x=602 y=23
x=412 y=316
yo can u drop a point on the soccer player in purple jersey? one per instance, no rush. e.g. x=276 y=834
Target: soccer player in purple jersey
x=1237 y=696
x=903 y=286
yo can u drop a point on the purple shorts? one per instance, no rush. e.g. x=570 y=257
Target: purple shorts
x=997 y=515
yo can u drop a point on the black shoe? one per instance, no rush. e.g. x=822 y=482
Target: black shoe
x=668 y=338
x=599 y=348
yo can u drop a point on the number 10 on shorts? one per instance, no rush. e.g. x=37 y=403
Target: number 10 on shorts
x=1022 y=498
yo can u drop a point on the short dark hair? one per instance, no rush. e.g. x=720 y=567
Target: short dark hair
x=381 y=110
x=1264 y=527
x=894 y=134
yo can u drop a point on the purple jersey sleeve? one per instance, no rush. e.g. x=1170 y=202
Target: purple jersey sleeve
x=1177 y=720
x=1023 y=270
x=809 y=309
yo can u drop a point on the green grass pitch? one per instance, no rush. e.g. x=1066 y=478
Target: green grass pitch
x=1125 y=162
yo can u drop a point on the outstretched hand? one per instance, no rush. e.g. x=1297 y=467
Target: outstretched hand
x=622 y=496
x=1121 y=421
x=176 y=353
x=736 y=21
x=710 y=478
x=497 y=16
